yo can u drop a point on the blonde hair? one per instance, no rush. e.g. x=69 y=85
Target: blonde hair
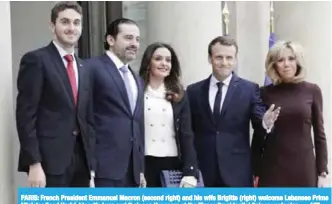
x=276 y=52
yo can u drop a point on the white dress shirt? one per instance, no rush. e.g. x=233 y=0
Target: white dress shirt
x=214 y=89
x=118 y=63
x=159 y=124
x=63 y=53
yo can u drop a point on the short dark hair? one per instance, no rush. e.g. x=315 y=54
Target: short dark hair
x=223 y=40
x=174 y=88
x=113 y=29
x=63 y=5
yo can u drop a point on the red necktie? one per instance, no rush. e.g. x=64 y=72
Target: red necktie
x=71 y=75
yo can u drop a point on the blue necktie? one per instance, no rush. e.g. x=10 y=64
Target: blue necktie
x=217 y=102
x=130 y=95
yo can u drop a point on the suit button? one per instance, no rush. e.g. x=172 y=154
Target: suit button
x=218 y=132
x=75 y=132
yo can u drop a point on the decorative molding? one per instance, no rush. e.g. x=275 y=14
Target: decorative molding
x=225 y=14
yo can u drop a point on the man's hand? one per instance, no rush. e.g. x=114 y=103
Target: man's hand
x=188 y=182
x=92 y=179
x=271 y=115
x=36 y=177
x=322 y=180
x=256 y=181
x=142 y=183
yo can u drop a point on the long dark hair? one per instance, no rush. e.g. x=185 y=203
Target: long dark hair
x=174 y=89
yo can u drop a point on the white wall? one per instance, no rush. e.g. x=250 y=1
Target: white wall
x=251 y=26
x=6 y=106
x=188 y=27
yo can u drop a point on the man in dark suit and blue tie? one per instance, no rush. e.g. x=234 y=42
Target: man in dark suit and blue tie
x=54 y=111
x=118 y=109
x=223 y=106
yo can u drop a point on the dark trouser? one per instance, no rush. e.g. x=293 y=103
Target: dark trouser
x=217 y=181
x=77 y=174
x=127 y=181
x=154 y=166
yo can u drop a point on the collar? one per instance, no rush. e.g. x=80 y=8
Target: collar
x=62 y=52
x=160 y=92
x=226 y=82
x=118 y=63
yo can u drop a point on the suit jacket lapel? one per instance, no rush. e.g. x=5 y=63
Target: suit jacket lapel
x=176 y=110
x=61 y=70
x=205 y=98
x=230 y=93
x=117 y=78
x=81 y=79
x=140 y=91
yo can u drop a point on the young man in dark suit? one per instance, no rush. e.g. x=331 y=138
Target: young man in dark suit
x=223 y=105
x=118 y=109
x=54 y=109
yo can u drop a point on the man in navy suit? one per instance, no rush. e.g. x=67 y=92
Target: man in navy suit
x=223 y=106
x=54 y=109
x=118 y=109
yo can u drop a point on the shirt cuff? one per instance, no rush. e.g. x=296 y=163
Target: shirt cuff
x=268 y=130
x=191 y=180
